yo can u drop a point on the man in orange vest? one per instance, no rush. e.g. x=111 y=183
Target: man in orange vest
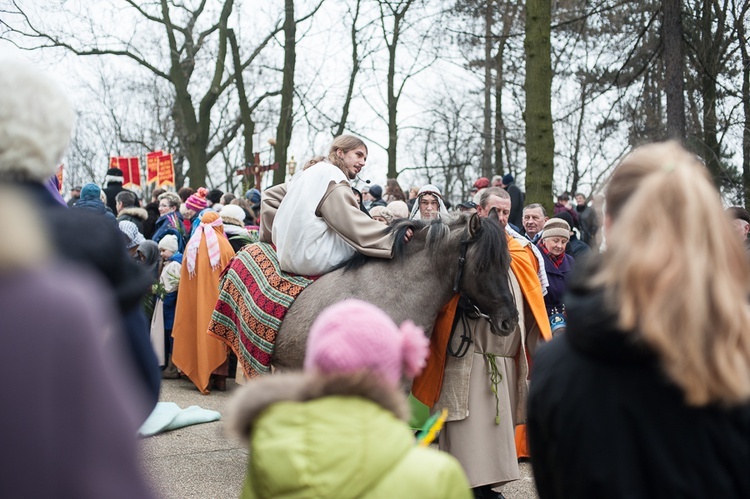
x=485 y=389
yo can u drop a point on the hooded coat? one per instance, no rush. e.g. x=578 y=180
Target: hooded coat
x=336 y=436
x=604 y=421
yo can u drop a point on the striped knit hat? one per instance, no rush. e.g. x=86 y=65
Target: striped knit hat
x=556 y=227
x=197 y=202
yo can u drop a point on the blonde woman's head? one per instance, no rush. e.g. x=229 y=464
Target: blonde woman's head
x=675 y=273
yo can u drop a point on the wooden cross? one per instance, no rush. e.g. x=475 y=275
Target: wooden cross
x=256 y=170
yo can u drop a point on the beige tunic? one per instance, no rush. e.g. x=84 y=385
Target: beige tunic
x=480 y=431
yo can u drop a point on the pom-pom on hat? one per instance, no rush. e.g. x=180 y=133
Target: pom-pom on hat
x=556 y=227
x=233 y=214
x=197 y=201
x=169 y=243
x=354 y=335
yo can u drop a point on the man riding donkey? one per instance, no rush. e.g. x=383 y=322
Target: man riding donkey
x=315 y=221
x=481 y=378
x=309 y=226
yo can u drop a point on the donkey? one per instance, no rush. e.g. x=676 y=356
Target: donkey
x=468 y=255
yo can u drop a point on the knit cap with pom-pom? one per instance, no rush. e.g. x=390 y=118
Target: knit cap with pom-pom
x=197 y=201
x=354 y=335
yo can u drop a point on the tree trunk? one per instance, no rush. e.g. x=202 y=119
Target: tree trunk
x=674 y=64
x=710 y=150
x=284 y=130
x=392 y=102
x=540 y=142
x=499 y=121
x=339 y=129
x=248 y=125
x=487 y=135
x=742 y=36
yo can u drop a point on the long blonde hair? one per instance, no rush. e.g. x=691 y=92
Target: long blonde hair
x=676 y=275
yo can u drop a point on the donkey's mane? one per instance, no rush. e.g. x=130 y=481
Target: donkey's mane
x=488 y=246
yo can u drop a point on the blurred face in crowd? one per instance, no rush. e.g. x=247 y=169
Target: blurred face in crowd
x=555 y=244
x=533 y=221
x=580 y=200
x=353 y=160
x=429 y=206
x=165 y=208
x=501 y=205
x=165 y=253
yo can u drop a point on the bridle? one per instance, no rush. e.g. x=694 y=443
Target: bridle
x=467 y=309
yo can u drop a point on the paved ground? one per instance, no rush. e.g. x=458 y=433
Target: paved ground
x=201 y=461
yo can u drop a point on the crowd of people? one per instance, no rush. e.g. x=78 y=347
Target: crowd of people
x=626 y=372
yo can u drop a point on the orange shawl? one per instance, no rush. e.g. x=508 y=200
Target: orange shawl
x=196 y=353
x=427 y=386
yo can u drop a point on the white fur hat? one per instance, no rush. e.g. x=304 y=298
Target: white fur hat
x=233 y=214
x=36 y=121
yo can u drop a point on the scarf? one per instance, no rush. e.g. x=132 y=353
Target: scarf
x=556 y=260
x=212 y=243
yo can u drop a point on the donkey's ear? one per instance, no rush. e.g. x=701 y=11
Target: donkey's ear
x=475 y=225
x=493 y=215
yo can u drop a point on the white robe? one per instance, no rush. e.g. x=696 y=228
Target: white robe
x=305 y=243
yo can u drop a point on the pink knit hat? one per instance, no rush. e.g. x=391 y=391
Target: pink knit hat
x=197 y=202
x=353 y=335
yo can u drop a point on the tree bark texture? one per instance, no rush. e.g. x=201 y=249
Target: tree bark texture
x=674 y=65
x=540 y=142
x=284 y=129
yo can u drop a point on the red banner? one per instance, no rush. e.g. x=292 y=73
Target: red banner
x=131 y=170
x=152 y=167
x=165 y=170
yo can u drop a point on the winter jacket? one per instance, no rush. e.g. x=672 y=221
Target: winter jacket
x=557 y=280
x=149 y=225
x=94 y=205
x=337 y=436
x=516 y=205
x=171 y=223
x=576 y=248
x=588 y=224
x=135 y=215
x=112 y=190
x=604 y=421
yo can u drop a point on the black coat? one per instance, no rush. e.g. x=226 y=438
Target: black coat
x=112 y=190
x=516 y=205
x=603 y=420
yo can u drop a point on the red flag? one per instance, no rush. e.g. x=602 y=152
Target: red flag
x=166 y=170
x=131 y=169
x=152 y=166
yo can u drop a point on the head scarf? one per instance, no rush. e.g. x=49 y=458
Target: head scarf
x=428 y=189
x=150 y=251
x=210 y=224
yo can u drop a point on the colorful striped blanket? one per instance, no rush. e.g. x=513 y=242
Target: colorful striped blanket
x=254 y=297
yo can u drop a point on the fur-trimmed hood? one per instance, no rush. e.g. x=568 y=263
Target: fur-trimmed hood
x=258 y=395
x=134 y=212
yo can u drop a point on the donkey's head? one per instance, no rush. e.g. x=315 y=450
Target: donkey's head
x=484 y=279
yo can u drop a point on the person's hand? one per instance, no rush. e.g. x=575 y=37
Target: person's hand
x=408 y=234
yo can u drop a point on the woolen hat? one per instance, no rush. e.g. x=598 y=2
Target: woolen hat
x=197 y=201
x=91 y=191
x=132 y=234
x=354 y=335
x=556 y=227
x=253 y=195
x=376 y=191
x=233 y=214
x=482 y=183
x=507 y=179
x=169 y=243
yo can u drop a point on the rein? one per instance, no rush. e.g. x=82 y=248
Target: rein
x=467 y=309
